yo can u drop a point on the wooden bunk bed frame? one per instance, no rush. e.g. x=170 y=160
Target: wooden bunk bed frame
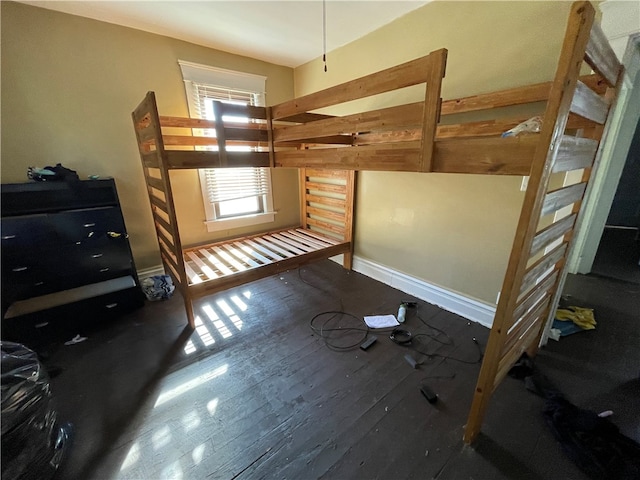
x=404 y=138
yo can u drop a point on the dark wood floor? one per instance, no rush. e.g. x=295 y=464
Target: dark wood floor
x=254 y=393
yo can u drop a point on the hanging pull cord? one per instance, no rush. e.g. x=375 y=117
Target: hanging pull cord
x=324 y=34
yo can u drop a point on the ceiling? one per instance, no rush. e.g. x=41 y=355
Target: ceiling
x=286 y=33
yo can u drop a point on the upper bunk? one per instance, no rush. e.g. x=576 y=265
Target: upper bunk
x=461 y=135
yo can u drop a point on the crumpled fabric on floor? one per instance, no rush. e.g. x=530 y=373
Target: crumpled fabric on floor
x=582 y=317
x=592 y=442
x=158 y=287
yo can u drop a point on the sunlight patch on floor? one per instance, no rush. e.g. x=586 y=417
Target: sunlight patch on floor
x=184 y=387
x=212 y=406
x=228 y=311
x=132 y=456
x=215 y=319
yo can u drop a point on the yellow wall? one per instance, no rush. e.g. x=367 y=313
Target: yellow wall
x=69 y=85
x=451 y=230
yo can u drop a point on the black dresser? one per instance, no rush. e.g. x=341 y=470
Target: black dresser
x=66 y=259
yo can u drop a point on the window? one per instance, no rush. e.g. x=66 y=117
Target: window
x=233 y=197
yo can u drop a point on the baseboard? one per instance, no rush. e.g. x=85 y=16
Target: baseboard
x=453 y=302
x=150 y=272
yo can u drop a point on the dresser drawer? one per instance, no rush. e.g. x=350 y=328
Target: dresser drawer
x=81 y=225
x=25 y=232
x=61 y=323
x=82 y=264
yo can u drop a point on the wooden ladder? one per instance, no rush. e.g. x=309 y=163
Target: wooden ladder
x=542 y=243
x=156 y=173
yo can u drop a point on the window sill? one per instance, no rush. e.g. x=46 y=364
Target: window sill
x=246 y=221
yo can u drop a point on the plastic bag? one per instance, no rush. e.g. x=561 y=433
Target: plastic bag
x=33 y=442
x=533 y=125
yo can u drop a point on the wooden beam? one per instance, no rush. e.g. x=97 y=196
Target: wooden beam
x=391 y=118
x=390 y=157
x=189 y=159
x=538 y=92
x=432 y=106
x=404 y=75
x=497 y=156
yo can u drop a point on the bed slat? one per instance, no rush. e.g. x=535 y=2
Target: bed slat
x=328 y=201
x=534 y=295
x=547 y=235
x=588 y=104
x=293 y=242
x=541 y=266
x=156 y=202
x=312 y=242
x=252 y=251
x=299 y=242
x=326 y=187
x=340 y=230
x=557 y=199
x=600 y=56
x=317 y=236
x=240 y=255
x=229 y=259
x=510 y=357
x=215 y=261
x=150 y=159
x=271 y=245
x=326 y=214
x=265 y=250
x=575 y=153
x=206 y=270
x=287 y=246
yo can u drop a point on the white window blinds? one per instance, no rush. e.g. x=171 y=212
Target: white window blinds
x=236 y=183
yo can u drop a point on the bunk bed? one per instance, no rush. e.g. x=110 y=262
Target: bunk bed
x=414 y=137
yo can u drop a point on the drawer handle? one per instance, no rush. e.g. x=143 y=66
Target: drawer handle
x=20 y=269
x=106 y=269
x=37 y=284
x=89 y=225
x=97 y=255
x=8 y=237
x=111 y=305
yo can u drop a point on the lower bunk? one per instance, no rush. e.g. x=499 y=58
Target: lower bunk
x=218 y=266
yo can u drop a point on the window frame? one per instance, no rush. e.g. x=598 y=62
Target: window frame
x=193 y=74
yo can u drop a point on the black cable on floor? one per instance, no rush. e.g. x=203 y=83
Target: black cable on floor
x=326 y=332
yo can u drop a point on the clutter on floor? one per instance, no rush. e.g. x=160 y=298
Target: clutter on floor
x=34 y=443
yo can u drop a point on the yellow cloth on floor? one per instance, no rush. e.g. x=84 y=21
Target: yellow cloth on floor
x=583 y=317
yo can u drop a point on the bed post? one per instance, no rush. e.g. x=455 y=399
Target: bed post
x=156 y=173
x=536 y=265
x=432 y=106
